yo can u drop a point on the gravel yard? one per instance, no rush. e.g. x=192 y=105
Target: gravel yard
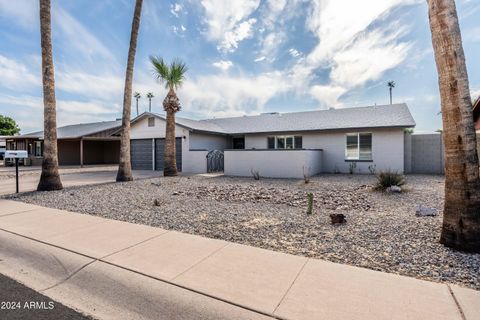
x=381 y=233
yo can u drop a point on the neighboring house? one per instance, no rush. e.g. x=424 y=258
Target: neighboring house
x=3 y=145
x=281 y=144
x=476 y=114
x=79 y=144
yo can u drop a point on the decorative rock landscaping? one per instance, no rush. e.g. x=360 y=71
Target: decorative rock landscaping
x=382 y=231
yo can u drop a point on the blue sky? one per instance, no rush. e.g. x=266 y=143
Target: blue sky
x=244 y=56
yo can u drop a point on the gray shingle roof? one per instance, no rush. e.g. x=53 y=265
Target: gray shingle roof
x=384 y=116
x=77 y=130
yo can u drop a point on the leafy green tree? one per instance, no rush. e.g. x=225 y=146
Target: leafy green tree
x=8 y=126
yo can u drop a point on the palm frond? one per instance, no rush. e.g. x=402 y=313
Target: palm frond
x=171 y=75
x=137 y=95
x=160 y=69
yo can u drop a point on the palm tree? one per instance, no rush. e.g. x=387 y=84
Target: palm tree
x=137 y=96
x=391 y=85
x=150 y=96
x=461 y=214
x=125 y=166
x=172 y=76
x=50 y=178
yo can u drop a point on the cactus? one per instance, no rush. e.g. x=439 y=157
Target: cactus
x=310 y=203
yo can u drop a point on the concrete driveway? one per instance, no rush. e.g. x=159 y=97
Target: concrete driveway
x=69 y=177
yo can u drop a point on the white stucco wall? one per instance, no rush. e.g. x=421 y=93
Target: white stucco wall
x=201 y=141
x=272 y=163
x=195 y=162
x=387 y=148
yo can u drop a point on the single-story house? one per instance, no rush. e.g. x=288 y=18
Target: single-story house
x=476 y=114
x=281 y=144
x=78 y=144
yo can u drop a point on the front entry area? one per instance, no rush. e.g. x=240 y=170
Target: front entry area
x=147 y=154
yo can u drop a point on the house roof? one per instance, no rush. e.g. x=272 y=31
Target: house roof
x=384 y=116
x=476 y=109
x=77 y=130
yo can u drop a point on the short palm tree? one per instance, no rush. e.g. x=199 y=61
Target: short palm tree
x=172 y=76
x=391 y=85
x=137 y=96
x=150 y=96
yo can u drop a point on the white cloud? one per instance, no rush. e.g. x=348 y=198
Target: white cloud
x=224 y=95
x=228 y=22
x=17 y=76
x=179 y=30
x=294 y=52
x=23 y=12
x=175 y=9
x=79 y=38
x=328 y=95
x=88 y=85
x=355 y=45
x=260 y=59
x=271 y=44
x=223 y=65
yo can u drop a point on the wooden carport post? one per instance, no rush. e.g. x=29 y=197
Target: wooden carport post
x=81 y=152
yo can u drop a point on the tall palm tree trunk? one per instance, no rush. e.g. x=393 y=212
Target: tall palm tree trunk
x=390 y=95
x=149 y=104
x=50 y=178
x=461 y=216
x=125 y=166
x=170 y=151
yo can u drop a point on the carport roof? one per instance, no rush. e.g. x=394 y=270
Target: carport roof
x=77 y=130
x=382 y=116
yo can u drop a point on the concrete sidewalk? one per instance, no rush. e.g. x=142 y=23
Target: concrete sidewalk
x=117 y=270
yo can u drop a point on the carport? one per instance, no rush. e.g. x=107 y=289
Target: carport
x=80 y=144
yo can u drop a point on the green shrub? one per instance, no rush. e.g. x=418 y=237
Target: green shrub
x=387 y=179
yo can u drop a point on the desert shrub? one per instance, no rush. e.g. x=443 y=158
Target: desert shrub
x=386 y=179
x=352 y=167
x=306 y=175
x=256 y=174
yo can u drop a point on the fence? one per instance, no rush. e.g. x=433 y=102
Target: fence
x=424 y=153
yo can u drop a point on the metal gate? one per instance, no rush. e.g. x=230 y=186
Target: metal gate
x=215 y=161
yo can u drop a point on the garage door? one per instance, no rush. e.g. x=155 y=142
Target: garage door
x=159 y=157
x=141 y=152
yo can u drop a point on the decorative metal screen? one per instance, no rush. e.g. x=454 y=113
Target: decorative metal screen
x=215 y=161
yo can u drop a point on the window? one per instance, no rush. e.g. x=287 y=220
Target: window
x=38 y=149
x=358 y=146
x=284 y=142
x=151 y=122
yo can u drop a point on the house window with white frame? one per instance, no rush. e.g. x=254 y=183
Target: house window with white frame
x=284 y=142
x=358 y=146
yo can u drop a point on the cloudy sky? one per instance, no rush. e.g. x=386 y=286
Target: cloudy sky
x=244 y=56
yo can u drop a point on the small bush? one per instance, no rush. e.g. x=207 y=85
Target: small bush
x=255 y=174
x=352 y=167
x=387 y=179
x=306 y=175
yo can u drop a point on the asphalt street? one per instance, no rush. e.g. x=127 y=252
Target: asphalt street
x=20 y=302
